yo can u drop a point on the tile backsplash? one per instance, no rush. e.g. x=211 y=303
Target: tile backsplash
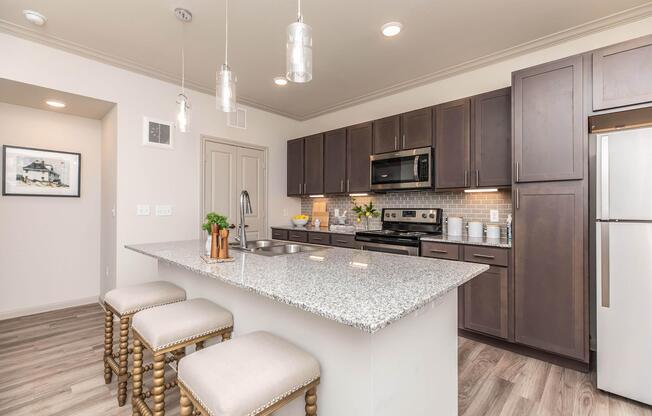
x=470 y=206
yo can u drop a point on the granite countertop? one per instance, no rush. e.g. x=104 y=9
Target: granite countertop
x=312 y=229
x=363 y=289
x=472 y=241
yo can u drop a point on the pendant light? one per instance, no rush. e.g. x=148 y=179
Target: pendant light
x=183 y=103
x=298 y=50
x=225 y=88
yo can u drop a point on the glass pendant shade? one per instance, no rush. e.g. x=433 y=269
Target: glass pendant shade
x=298 y=52
x=183 y=115
x=225 y=91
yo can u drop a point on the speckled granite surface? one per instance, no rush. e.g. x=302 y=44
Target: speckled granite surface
x=472 y=241
x=312 y=229
x=363 y=289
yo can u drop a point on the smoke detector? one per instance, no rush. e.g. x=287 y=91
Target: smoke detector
x=35 y=18
x=183 y=14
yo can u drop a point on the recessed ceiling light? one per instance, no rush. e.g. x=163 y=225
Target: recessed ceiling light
x=391 y=29
x=55 y=103
x=34 y=18
x=280 y=81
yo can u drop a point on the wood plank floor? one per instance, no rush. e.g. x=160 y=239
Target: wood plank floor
x=51 y=364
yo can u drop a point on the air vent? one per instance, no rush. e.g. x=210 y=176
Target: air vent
x=237 y=119
x=157 y=133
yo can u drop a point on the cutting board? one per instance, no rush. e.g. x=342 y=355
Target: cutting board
x=323 y=218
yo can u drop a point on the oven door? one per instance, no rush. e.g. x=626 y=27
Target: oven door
x=389 y=248
x=408 y=169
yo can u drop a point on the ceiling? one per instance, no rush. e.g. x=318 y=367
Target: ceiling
x=353 y=62
x=28 y=95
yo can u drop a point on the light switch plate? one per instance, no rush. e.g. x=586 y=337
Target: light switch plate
x=142 y=210
x=163 y=210
x=493 y=215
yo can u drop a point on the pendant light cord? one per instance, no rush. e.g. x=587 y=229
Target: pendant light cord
x=183 y=58
x=226 y=32
x=299 y=11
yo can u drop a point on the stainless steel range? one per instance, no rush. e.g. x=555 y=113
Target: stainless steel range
x=402 y=230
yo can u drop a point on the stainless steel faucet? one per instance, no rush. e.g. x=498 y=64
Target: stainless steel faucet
x=245 y=208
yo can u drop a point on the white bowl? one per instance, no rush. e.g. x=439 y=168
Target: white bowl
x=299 y=223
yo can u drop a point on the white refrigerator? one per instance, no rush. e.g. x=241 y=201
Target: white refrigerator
x=624 y=263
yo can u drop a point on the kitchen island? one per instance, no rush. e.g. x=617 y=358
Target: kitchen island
x=383 y=327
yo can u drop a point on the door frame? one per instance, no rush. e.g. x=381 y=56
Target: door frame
x=204 y=138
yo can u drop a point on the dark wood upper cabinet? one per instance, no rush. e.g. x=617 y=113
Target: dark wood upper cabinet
x=295 y=167
x=492 y=139
x=314 y=164
x=386 y=133
x=486 y=303
x=548 y=121
x=358 y=150
x=452 y=144
x=550 y=304
x=335 y=156
x=621 y=74
x=416 y=129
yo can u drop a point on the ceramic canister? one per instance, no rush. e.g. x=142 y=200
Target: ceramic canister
x=455 y=226
x=475 y=229
x=493 y=231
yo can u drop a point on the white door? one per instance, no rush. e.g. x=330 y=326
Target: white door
x=228 y=169
x=624 y=309
x=624 y=175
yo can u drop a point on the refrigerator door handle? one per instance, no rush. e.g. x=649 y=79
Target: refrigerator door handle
x=604 y=263
x=604 y=178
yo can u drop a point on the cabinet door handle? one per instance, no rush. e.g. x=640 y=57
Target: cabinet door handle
x=403 y=141
x=341 y=185
x=439 y=251
x=517 y=172
x=342 y=241
x=484 y=256
x=466 y=178
x=395 y=142
x=477 y=177
x=348 y=186
x=517 y=199
x=300 y=188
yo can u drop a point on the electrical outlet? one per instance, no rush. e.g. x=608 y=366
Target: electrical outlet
x=493 y=215
x=163 y=210
x=142 y=209
x=285 y=212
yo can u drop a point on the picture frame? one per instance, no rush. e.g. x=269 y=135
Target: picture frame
x=158 y=133
x=28 y=171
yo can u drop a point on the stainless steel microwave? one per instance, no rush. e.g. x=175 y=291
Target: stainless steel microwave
x=408 y=169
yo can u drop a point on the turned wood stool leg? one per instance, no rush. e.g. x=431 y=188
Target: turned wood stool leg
x=158 y=385
x=311 y=402
x=186 y=406
x=226 y=336
x=108 y=345
x=137 y=376
x=124 y=354
x=199 y=346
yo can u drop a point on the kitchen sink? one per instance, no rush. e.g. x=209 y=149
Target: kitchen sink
x=272 y=248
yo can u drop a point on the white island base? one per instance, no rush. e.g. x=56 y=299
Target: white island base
x=406 y=368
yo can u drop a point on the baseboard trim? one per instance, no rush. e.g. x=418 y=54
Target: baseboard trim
x=17 y=313
x=527 y=351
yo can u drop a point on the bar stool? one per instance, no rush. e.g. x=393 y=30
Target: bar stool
x=170 y=329
x=124 y=302
x=255 y=374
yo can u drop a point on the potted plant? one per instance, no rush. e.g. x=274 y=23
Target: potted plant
x=365 y=212
x=220 y=221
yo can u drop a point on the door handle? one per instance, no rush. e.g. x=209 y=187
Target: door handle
x=404 y=140
x=517 y=170
x=300 y=185
x=604 y=264
x=604 y=178
x=484 y=256
x=348 y=187
x=517 y=199
x=477 y=177
x=466 y=178
x=341 y=185
x=395 y=142
x=438 y=251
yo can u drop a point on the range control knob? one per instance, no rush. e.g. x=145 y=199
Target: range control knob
x=394 y=215
x=432 y=215
x=387 y=214
x=424 y=215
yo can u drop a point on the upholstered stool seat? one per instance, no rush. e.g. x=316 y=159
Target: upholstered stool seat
x=131 y=299
x=124 y=302
x=170 y=329
x=255 y=374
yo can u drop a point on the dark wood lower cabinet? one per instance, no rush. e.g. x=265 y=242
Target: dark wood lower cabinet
x=486 y=303
x=551 y=287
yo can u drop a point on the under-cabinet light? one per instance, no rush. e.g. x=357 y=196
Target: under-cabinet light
x=471 y=191
x=359 y=194
x=316 y=196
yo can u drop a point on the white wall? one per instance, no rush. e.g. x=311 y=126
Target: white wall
x=108 y=241
x=50 y=247
x=481 y=80
x=146 y=175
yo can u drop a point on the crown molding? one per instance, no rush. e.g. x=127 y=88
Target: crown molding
x=598 y=25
